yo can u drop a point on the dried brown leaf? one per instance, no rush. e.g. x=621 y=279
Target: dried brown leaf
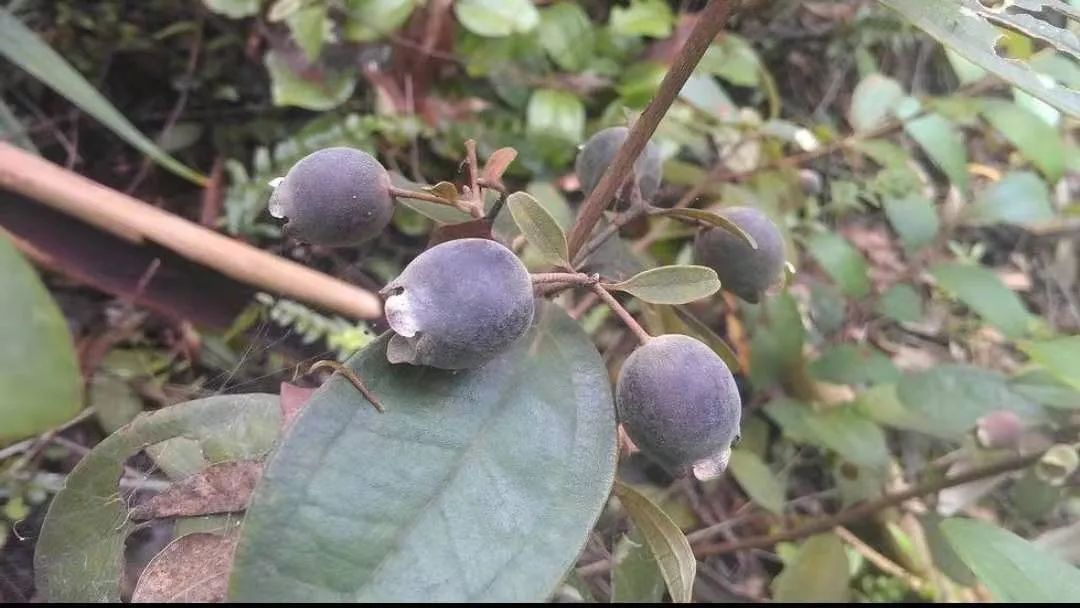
x=220 y=488
x=192 y=568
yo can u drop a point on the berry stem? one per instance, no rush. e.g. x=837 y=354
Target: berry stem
x=572 y=278
x=624 y=314
x=432 y=198
x=352 y=378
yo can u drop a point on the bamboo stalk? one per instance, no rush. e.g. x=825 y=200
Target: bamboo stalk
x=136 y=221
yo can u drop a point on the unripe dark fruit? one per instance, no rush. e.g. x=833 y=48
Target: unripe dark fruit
x=598 y=153
x=334 y=197
x=680 y=405
x=458 y=305
x=742 y=270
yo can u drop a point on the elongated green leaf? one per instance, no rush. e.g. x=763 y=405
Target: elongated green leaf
x=943 y=143
x=843 y=430
x=901 y=303
x=1020 y=197
x=636 y=576
x=642 y=18
x=709 y=218
x=373 y=19
x=555 y=114
x=1013 y=569
x=914 y=218
x=25 y=49
x=236 y=9
x=1060 y=356
x=963 y=25
x=668 y=543
x=671 y=284
x=567 y=35
x=819 y=572
x=852 y=364
x=954 y=397
x=451 y=494
x=705 y=333
x=776 y=343
x=757 y=480
x=496 y=18
x=539 y=227
x=40 y=383
x=1037 y=141
x=289 y=88
x=984 y=293
x=842 y=262
x=80 y=553
x=872 y=102
x=12 y=130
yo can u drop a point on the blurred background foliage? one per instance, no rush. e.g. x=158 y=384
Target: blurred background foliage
x=932 y=211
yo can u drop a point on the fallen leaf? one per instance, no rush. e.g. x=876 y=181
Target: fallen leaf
x=192 y=568
x=220 y=488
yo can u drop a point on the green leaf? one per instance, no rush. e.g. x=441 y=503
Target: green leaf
x=852 y=364
x=12 y=130
x=636 y=576
x=671 y=284
x=757 y=480
x=983 y=292
x=733 y=59
x=703 y=332
x=80 y=552
x=1013 y=569
x=901 y=303
x=844 y=430
x=872 y=102
x=943 y=143
x=451 y=494
x=666 y=541
x=965 y=27
x=1033 y=137
x=539 y=227
x=556 y=114
x=291 y=89
x=707 y=217
x=842 y=262
x=236 y=9
x=25 y=49
x=307 y=26
x=914 y=218
x=651 y=18
x=497 y=18
x=1021 y=197
x=1060 y=356
x=566 y=34
x=39 y=373
x=1046 y=389
x=955 y=396
x=776 y=342
x=819 y=572
x=369 y=20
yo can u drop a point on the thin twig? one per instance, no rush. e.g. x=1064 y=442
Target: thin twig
x=883 y=563
x=642 y=335
x=863 y=510
x=708 y=25
x=855 y=513
x=609 y=231
x=570 y=278
x=351 y=377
